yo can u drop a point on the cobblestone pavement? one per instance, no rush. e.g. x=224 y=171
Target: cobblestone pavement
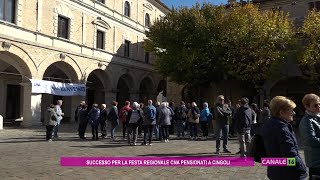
x=26 y=155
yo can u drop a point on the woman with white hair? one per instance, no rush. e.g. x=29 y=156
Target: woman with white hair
x=164 y=120
x=193 y=117
x=133 y=119
x=103 y=120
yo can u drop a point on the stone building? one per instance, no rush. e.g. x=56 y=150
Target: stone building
x=96 y=43
x=292 y=83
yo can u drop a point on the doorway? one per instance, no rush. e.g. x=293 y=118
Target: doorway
x=13 y=101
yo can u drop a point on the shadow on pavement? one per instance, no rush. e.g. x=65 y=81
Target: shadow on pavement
x=102 y=146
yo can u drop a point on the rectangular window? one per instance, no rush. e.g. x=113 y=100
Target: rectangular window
x=100 y=39
x=147 y=57
x=102 y=1
x=317 y=5
x=63 y=27
x=126 y=48
x=8 y=10
x=311 y=5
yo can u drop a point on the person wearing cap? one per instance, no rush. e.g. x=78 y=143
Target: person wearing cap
x=243 y=122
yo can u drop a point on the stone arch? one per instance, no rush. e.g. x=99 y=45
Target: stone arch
x=60 y=57
x=294 y=87
x=146 y=90
x=26 y=66
x=102 y=23
x=150 y=76
x=148 y=6
x=96 y=87
x=162 y=86
x=59 y=71
x=108 y=83
x=126 y=87
x=16 y=68
x=129 y=78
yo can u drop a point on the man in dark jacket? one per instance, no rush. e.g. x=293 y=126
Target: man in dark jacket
x=243 y=122
x=103 y=120
x=181 y=114
x=76 y=112
x=221 y=112
x=114 y=118
x=83 y=120
x=94 y=120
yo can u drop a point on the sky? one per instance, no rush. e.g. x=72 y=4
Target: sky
x=189 y=3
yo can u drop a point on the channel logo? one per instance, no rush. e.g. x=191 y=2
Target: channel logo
x=278 y=161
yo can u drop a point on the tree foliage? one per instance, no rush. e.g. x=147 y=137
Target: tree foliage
x=256 y=41
x=310 y=54
x=203 y=44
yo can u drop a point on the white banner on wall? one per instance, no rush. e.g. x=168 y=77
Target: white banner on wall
x=57 y=88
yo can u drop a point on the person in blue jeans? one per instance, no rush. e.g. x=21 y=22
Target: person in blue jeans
x=148 y=123
x=113 y=117
x=205 y=116
x=221 y=112
x=193 y=118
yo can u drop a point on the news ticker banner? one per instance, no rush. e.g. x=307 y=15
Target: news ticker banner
x=278 y=161
x=156 y=161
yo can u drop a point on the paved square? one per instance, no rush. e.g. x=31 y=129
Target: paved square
x=26 y=155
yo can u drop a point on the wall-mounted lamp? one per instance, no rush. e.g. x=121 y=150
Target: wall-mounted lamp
x=62 y=56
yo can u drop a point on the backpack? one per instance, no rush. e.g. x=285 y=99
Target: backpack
x=256 y=148
x=151 y=113
x=124 y=114
x=135 y=117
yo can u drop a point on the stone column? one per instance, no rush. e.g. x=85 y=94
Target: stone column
x=31 y=107
x=110 y=95
x=2 y=99
x=36 y=109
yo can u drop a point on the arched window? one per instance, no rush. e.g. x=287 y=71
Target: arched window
x=127 y=9
x=147 y=20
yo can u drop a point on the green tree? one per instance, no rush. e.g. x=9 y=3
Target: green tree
x=202 y=44
x=257 y=42
x=186 y=43
x=310 y=46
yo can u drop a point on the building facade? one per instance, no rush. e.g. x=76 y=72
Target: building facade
x=98 y=43
x=292 y=84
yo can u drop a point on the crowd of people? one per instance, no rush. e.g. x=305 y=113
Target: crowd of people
x=245 y=120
